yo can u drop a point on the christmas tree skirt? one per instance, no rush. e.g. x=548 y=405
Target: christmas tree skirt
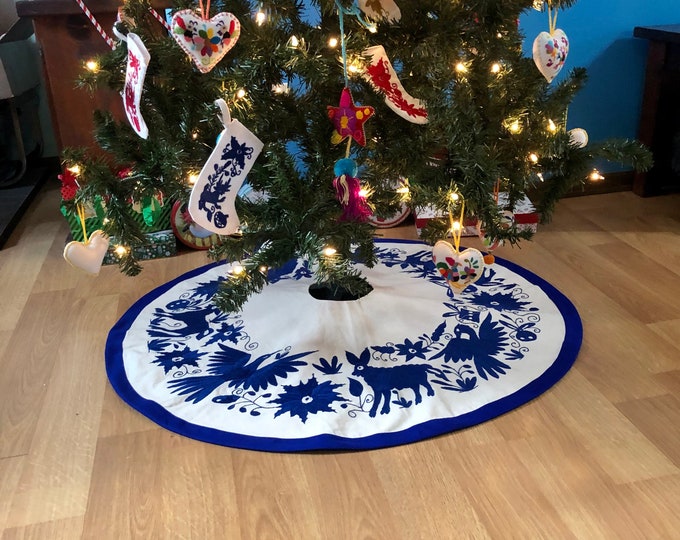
x=293 y=373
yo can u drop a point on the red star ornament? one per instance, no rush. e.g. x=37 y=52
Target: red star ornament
x=349 y=119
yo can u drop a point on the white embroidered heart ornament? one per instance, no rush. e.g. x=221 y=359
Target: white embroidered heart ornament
x=459 y=269
x=88 y=256
x=550 y=52
x=206 y=41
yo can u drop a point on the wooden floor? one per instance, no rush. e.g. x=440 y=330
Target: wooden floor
x=597 y=456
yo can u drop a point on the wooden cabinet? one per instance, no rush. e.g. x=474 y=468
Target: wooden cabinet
x=67 y=40
x=660 y=117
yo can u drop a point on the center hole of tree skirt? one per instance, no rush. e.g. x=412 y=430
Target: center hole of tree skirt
x=326 y=292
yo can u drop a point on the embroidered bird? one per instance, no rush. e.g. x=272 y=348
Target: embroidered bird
x=235 y=367
x=481 y=349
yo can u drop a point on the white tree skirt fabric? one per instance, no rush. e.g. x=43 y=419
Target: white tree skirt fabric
x=293 y=373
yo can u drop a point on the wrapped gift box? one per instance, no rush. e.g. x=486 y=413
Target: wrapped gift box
x=524 y=213
x=156 y=221
x=161 y=244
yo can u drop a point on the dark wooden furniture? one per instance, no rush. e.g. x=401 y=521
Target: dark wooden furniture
x=660 y=118
x=67 y=40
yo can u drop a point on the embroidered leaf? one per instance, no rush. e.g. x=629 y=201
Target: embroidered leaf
x=438 y=332
x=355 y=387
x=385 y=350
x=227 y=398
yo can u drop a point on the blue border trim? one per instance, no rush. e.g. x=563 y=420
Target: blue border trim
x=152 y=410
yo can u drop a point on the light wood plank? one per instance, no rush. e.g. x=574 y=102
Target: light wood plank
x=62 y=529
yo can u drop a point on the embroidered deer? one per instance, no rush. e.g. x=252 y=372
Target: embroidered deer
x=383 y=380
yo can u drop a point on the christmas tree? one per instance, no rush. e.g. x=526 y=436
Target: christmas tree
x=441 y=105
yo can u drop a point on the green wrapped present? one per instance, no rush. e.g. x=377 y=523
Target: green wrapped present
x=160 y=244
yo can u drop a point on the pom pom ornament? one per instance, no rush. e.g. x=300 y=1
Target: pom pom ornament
x=348 y=191
x=382 y=77
x=137 y=63
x=206 y=41
x=550 y=49
x=349 y=119
x=212 y=199
x=578 y=137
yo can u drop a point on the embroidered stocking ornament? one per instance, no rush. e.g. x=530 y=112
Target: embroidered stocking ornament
x=382 y=76
x=137 y=63
x=381 y=9
x=206 y=41
x=550 y=49
x=211 y=203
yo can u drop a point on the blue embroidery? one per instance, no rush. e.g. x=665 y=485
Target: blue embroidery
x=205 y=353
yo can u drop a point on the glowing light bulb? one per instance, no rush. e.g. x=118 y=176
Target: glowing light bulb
x=552 y=127
x=495 y=68
x=372 y=28
x=75 y=169
x=329 y=251
x=456 y=226
x=193 y=178
x=454 y=197
x=105 y=221
x=533 y=157
x=333 y=42
x=260 y=18
x=264 y=269
x=461 y=68
x=595 y=176
x=403 y=190
x=514 y=126
x=363 y=193
x=121 y=250
x=92 y=66
x=241 y=93
x=540 y=177
x=293 y=42
x=237 y=269
x=194 y=135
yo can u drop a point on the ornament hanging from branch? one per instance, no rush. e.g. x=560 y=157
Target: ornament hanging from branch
x=89 y=254
x=458 y=268
x=137 y=63
x=381 y=9
x=349 y=119
x=212 y=200
x=205 y=40
x=349 y=193
x=382 y=76
x=551 y=48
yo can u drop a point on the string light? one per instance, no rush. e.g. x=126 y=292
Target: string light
x=281 y=88
x=193 y=178
x=329 y=251
x=263 y=269
x=92 y=66
x=533 y=157
x=595 y=176
x=194 y=135
x=454 y=197
x=75 y=169
x=540 y=177
x=461 y=67
x=455 y=227
x=237 y=269
x=333 y=42
x=121 y=251
x=496 y=68
x=513 y=126
x=293 y=42
x=260 y=17
x=403 y=190
x=552 y=127
x=241 y=93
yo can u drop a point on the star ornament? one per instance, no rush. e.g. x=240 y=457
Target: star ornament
x=349 y=119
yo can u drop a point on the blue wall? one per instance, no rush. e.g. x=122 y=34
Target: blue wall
x=601 y=40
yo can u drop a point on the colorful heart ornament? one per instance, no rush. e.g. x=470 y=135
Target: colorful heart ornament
x=88 y=255
x=550 y=51
x=206 y=41
x=460 y=269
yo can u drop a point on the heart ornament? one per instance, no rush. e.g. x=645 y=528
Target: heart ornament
x=460 y=269
x=88 y=256
x=550 y=52
x=206 y=41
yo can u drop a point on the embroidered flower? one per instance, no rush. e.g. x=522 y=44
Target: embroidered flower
x=411 y=350
x=307 y=398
